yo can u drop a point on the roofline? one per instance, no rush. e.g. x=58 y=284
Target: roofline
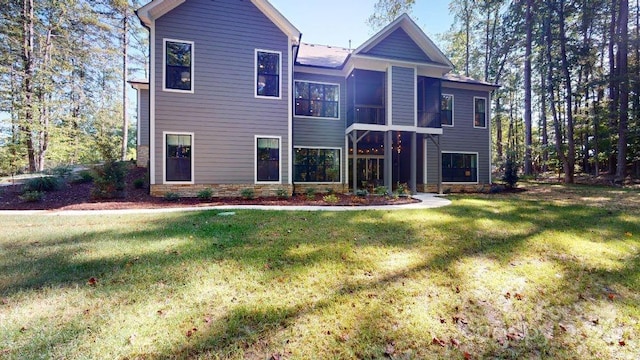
x=157 y=8
x=413 y=30
x=477 y=83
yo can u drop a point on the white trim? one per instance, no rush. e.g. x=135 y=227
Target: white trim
x=425 y=180
x=486 y=110
x=152 y=105
x=490 y=149
x=449 y=84
x=389 y=95
x=164 y=65
x=398 y=62
x=155 y=9
x=346 y=159
x=372 y=127
x=453 y=111
x=290 y=114
x=255 y=74
x=415 y=97
x=139 y=111
x=307 y=69
x=255 y=159
x=164 y=157
x=477 y=167
x=323 y=148
x=318 y=117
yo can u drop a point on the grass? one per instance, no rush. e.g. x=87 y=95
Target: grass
x=550 y=273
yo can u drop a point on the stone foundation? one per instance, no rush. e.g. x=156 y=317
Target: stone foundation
x=142 y=157
x=454 y=188
x=220 y=190
x=320 y=188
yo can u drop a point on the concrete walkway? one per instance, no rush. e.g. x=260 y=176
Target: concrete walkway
x=427 y=201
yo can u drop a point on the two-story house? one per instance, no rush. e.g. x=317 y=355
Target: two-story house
x=236 y=101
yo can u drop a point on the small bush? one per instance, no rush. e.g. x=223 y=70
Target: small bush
x=282 y=194
x=510 y=177
x=248 y=194
x=43 y=183
x=171 y=196
x=402 y=190
x=62 y=171
x=32 y=196
x=362 y=192
x=380 y=190
x=205 y=194
x=331 y=199
x=139 y=183
x=109 y=180
x=310 y=193
x=82 y=177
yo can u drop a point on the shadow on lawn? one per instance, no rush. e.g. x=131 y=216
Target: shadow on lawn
x=268 y=238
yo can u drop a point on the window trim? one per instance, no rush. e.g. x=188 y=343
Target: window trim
x=255 y=74
x=164 y=66
x=486 y=112
x=321 y=148
x=453 y=117
x=255 y=159
x=315 y=117
x=477 y=168
x=164 y=157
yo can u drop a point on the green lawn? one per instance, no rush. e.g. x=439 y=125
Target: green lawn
x=550 y=273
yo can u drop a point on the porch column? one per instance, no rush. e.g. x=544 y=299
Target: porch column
x=388 y=161
x=414 y=163
x=439 y=166
x=354 y=166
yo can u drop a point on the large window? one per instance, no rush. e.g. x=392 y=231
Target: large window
x=457 y=167
x=267 y=159
x=267 y=73
x=178 y=60
x=317 y=99
x=480 y=112
x=446 y=110
x=179 y=153
x=317 y=165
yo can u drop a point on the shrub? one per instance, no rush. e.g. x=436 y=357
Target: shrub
x=43 y=183
x=32 y=196
x=402 y=190
x=139 y=183
x=248 y=194
x=329 y=191
x=205 y=194
x=362 y=192
x=62 y=171
x=109 y=180
x=380 y=190
x=310 y=193
x=82 y=177
x=331 y=199
x=510 y=177
x=282 y=194
x=171 y=196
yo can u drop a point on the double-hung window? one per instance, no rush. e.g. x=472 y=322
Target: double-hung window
x=317 y=99
x=268 y=159
x=268 y=69
x=178 y=65
x=480 y=112
x=446 y=110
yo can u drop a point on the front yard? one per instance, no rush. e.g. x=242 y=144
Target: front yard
x=553 y=272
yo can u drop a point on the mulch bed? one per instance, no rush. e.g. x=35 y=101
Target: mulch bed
x=78 y=197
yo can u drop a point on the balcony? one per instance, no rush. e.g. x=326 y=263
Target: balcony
x=366 y=114
x=428 y=119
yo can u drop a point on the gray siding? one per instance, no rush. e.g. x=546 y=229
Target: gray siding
x=222 y=112
x=143 y=117
x=462 y=137
x=398 y=45
x=403 y=96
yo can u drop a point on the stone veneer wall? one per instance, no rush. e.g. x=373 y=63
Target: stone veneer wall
x=219 y=190
x=142 y=156
x=454 y=188
x=320 y=188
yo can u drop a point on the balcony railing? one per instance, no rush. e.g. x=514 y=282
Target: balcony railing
x=374 y=115
x=429 y=119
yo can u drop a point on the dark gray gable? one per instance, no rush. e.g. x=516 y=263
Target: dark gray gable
x=399 y=45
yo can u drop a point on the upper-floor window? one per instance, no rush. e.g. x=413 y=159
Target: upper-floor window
x=178 y=69
x=446 y=110
x=317 y=99
x=480 y=112
x=268 y=69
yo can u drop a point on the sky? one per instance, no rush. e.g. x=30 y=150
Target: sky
x=335 y=22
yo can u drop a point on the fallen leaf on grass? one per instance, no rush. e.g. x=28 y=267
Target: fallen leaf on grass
x=389 y=350
x=460 y=319
x=437 y=341
x=515 y=336
x=622 y=343
x=628 y=234
x=454 y=342
x=519 y=296
x=467 y=356
x=611 y=296
x=191 y=332
x=507 y=295
x=92 y=281
x=24 y=328
x=132 y=339
x=561 y=326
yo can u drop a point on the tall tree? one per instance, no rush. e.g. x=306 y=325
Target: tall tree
x=527 y=89
x=623 y=36
x=385 y=11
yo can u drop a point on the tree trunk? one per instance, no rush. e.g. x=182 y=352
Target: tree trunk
x=621 y=171
x=125 y=98
x=571 y=151
x=613 y=88
x=498 y=118
x=527 y=92
x=543 y=119
x=27 y=81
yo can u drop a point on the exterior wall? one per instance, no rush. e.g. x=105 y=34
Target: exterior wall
x=223 y=113
x=398 y=45
x=221 y=190
x=142 y=149
x=403 y=90
x=301 y=188
x=462 y=137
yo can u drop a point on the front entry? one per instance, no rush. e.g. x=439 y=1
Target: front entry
x=370 y=171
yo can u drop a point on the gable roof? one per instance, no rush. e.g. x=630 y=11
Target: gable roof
x=415 y=33
x=156 y=8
